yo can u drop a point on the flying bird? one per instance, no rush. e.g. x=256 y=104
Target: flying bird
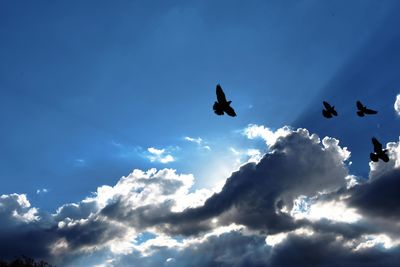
x=222 y=105
x=379 y=153
x=362 y=110
x=329 y=110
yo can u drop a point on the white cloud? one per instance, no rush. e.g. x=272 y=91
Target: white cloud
x=351 y=181
x=275 y=239
x=42 y=191
x=253 y=131
x=194 y=140
x=272 y=240
x=156 y=151
x=397 y=105
x=16 y=208
x=333 y=210
x=254 y=155
x=377 y=169
x=199 y=141
x=332 y=144
x=246 y=155
x=370 y=241
x=159 y=155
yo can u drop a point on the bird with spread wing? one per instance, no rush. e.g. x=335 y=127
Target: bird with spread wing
x=222 y=105
x=328 y=110
x=379 y=153
x=363 y=110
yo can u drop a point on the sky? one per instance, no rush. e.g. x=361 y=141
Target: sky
x=111 y=155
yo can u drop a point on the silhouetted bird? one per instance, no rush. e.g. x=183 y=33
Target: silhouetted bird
x=362 y=110
x=329 y=110
x=222 y=105
x=379 y=153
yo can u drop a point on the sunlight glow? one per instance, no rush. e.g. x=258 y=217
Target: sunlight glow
x=331 y=210
x=377 y=240
x=273 y=240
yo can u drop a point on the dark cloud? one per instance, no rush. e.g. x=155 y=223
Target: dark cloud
x=380 y=197
x=253 y=196
x=343 y=229
x=89 y=233
x=327 y=251
x=238 y=249
x=258 y=197
x=22 y=231
x=26 y=240
x=26 y=231
x=228 y=249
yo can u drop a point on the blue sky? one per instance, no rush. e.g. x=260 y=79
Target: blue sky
x=88 y=87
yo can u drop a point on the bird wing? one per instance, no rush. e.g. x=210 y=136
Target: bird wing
x=326 y=105
x=384 y=157
x=377 y=145
x=220 y=94
x=370 y=111
x=333 y=111
x=230 y=111
x=360 y=106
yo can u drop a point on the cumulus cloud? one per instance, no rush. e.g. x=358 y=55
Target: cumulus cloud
x=93 y=224
x=299 y=164
x=296 y=205
x=23 y=228
x=159 y=155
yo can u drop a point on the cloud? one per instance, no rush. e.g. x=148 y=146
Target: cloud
x=327 y=250
x=238 y=248
x=299 y=164
x=17 y=209
x=79 y=162
x=194 y=140
x=253 y=131
x=293 y=206
x=93 y=224
x=198 y=141
x=377 y=169
x=379 y=197
x=232 y=248
x=159 y=155
x=22 y=228
x=246 y=155
x=397 y=105
x=42 y=191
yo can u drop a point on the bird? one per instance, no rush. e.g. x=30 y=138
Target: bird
x=329 y=110
x=379 y=153
x=362 y=110
x=221 y=105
